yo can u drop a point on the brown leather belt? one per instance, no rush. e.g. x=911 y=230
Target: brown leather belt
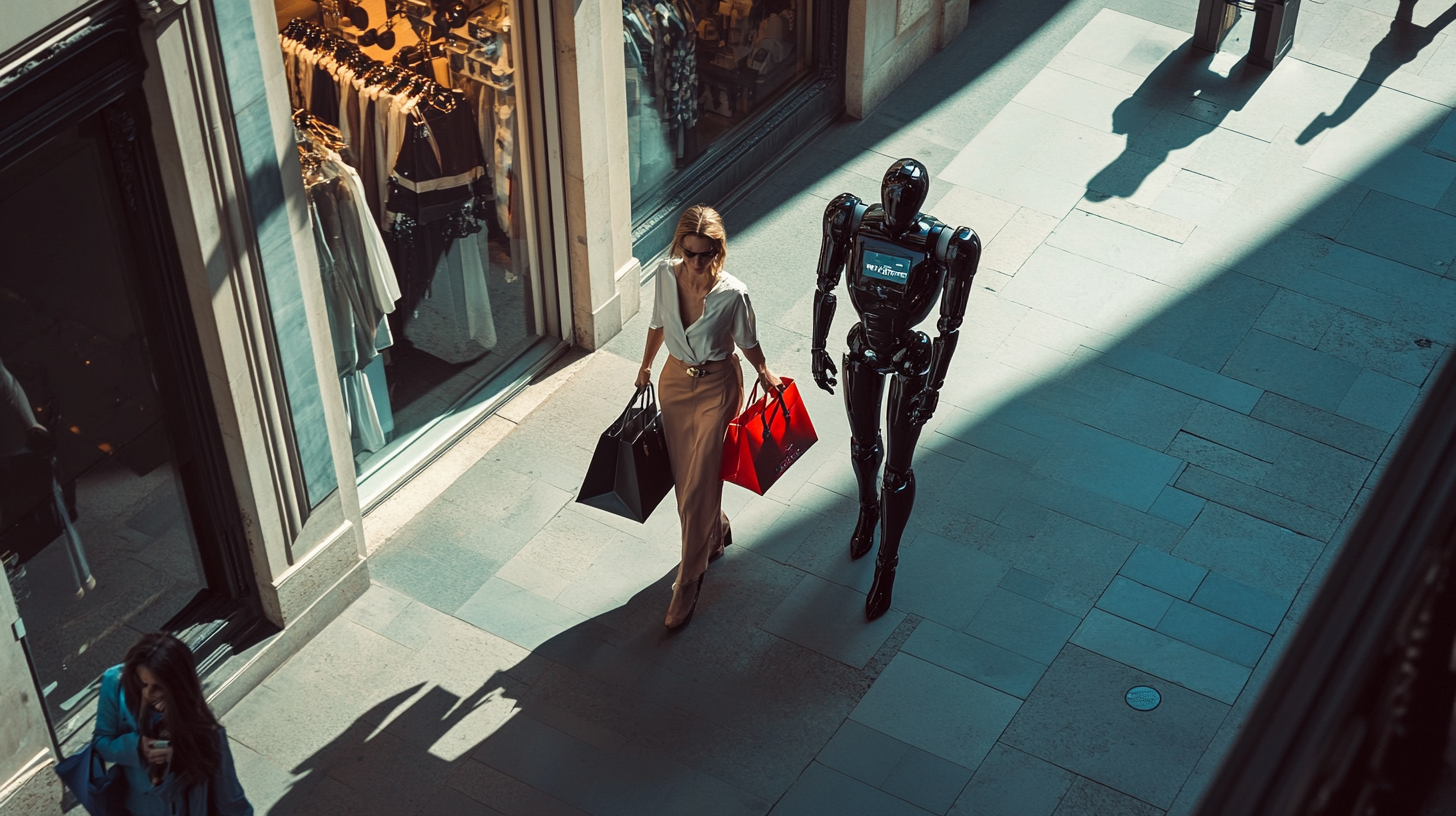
x=701 y=369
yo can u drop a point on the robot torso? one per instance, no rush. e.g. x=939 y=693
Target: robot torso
x=894 y=281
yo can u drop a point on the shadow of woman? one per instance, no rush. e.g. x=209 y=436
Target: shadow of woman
x=1195 y=99
x=614 y=714
x=1401 y=45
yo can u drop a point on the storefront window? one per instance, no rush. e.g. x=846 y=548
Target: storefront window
x=95 y=533
x=411 y=147
x=697 y=71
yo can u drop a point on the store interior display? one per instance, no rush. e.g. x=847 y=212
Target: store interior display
x=695 y=70
x=409 y=106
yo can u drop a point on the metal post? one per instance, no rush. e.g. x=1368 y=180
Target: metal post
x=1215 y=18
x=1273 y=31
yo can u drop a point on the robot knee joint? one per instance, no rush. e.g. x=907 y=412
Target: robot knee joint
x=896 y=481
x=866 y=452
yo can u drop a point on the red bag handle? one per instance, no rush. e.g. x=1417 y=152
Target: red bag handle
x=776 y=400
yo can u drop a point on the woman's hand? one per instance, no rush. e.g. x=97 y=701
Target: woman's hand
x=155 y=756
x=644 y=377
x=770 y=381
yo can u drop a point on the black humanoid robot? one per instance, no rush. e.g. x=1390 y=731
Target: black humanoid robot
x=899 y=261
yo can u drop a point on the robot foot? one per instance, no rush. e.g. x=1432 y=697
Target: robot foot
x=864 y=531
x=877 y=602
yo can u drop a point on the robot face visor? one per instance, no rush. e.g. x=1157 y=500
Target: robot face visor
x=903 y=191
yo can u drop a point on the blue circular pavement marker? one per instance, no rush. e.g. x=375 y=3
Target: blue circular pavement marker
x=1143 y=698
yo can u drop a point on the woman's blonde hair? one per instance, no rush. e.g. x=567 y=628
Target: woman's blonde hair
x=704 y=222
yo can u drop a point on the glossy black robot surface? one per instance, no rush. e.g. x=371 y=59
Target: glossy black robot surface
x=898 y=262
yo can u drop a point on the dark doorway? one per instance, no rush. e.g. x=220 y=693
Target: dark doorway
x=118 y=515
x=100 y=542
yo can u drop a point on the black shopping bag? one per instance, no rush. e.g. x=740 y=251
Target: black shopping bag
x=630 y=472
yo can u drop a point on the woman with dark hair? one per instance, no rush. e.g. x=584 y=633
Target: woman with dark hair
x=153 y=720
x=700 y=312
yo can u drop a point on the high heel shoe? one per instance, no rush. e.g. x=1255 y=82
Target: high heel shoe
x=877 y=602
x=727 y=542
x=697 y=593
x=864 y=531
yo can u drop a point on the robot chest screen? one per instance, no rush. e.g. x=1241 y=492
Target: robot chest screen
x=885 y=267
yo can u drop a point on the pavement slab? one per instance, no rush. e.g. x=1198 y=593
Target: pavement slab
x=941 y=712
x=1013 y=783
x=1078 y=720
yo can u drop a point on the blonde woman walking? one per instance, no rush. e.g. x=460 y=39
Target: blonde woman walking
x=701 y=312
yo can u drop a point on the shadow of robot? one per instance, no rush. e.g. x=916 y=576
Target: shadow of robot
x=1194 y=100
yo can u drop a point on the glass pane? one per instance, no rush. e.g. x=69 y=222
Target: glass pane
x=93 y=525
x=430 y=128
x=698 y=70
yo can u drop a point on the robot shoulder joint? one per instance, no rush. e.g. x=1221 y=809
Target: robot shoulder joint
x=966 y=239
x=839 y=216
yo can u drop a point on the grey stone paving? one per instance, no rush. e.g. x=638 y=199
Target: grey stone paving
x=1209 y=299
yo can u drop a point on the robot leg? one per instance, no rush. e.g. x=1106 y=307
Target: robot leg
x=898 y=497
x=863 y=389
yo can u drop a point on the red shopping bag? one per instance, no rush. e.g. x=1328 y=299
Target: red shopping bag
x=771 y=434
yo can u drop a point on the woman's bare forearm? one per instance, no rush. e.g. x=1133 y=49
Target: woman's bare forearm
x=756 y=359
x=654 y=343
x=649 y=354
x=760 y=364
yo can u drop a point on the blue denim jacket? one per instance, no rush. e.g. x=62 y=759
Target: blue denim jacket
x=116 y=739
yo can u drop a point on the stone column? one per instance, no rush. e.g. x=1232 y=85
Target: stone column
x=887 y=41
x=591 y=81
x=224 y=139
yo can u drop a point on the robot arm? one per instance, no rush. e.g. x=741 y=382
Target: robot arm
x=962 y=256
x=839 y=222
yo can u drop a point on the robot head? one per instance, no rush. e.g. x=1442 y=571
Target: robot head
x=903 y=191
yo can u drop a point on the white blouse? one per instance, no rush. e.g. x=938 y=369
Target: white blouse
x=727 y=318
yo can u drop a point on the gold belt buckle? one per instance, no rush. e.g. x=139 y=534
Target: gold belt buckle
x=696 y=371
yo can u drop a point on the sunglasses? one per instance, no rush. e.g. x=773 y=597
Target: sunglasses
x=690 y=255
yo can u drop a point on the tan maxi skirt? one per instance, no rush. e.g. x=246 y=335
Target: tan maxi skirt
x=695 y=416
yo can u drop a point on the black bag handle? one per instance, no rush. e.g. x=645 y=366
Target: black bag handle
x=649 y=405
x=776 y=401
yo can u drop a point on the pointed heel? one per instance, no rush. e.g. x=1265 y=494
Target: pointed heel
x=864 y=531
x=727 y=542
x=877 y=602
x=697 y=593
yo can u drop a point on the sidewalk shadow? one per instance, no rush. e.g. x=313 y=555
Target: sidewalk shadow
x=994 y=31
x=614 y=715
x=1186 y=74
x=1401 y=45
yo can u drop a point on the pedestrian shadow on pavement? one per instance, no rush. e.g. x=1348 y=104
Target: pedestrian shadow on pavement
x=1186 y=75
x=1400 y=46
x=613 y=715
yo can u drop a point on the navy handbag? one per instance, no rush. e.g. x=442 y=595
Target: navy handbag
x=101 y=790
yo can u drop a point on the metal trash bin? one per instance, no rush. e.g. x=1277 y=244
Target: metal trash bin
x=1215 y=18
x=1273 y=31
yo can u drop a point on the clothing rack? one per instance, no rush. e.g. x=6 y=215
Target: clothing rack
x=316 y=138
x=419 y=153
x=393 y=78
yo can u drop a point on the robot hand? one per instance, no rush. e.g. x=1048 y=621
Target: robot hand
x=824 y=370
x=922 y=408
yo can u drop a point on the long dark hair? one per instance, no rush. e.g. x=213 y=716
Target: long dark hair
x=188 y=720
